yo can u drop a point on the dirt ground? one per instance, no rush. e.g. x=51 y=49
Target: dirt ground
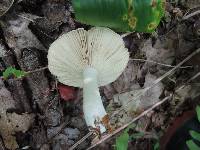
x=38 y=113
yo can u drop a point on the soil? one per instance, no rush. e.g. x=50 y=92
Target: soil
x=39 y=113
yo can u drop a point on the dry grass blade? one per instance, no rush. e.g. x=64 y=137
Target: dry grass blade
x=4 y=11
x=126 y=34
x=37 y=70
x=194 y=77
x=191 y=15
x=81 y=140
x=157 y=63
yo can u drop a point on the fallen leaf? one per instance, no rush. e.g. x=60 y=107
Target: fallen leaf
x=10 y=123
x=66 y=92
x=144 y=100
x=127 y=78
x=162 y=52
x=19 y=36
x=11 y=71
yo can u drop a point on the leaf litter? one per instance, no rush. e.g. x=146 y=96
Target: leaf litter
x=11 y=123
x=174 y=42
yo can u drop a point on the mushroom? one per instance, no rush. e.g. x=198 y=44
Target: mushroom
x=89 y=59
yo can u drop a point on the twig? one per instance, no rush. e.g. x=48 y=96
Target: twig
x=29 y=17
x=119 y=129
x=11 y=3
x=135 y=119
x=31 y=20
x=191 y=15
x=81 y=140
x=182 y=87
x=37 y=70
x=166 y=65
x=62 y=126
x=126 y=34
x=194 y=77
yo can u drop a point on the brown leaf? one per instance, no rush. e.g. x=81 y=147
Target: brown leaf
x=11 y=122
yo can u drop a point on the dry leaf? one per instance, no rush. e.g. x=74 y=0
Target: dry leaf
x=127 y=78
x=124 y=82
x=145 y=100
x=11 y=122
x=19 y=36
x=162 y=52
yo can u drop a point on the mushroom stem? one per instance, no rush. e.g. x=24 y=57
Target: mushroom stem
x=93 y=108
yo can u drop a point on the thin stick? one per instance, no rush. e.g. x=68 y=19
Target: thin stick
x=135 y=119
x=166 y=65
x=126 y=34
x=194 y=77
x=11 y=3
x=191 y=15
x=31 y=20
x=81 y=140
x=37 y=70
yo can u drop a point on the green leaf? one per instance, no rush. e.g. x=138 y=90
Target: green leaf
x=137 y=135
x=192 y=146
x=7 y=72
x=122 y=15
x=156 y=146
x=198 y=112
x=10 y=71
x=122 y=141
x=195 y=135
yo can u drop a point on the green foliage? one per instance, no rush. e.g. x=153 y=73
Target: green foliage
x=122 y=15
x=198 y=112
x=10 y=71
x=191 y=145
x=195 y=135
x=156 y=146
x=122 y=141
x=124 y=138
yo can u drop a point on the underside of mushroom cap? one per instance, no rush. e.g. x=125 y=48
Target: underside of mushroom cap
x=99 y=48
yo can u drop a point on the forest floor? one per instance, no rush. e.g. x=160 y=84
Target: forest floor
x=37 y=112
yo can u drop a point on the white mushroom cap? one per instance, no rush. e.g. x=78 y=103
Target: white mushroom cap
x=99 y=48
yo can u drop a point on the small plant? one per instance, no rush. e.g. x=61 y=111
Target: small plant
x=122 y=141
x=11 y=71
x=194 y=134
x=156 y=145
